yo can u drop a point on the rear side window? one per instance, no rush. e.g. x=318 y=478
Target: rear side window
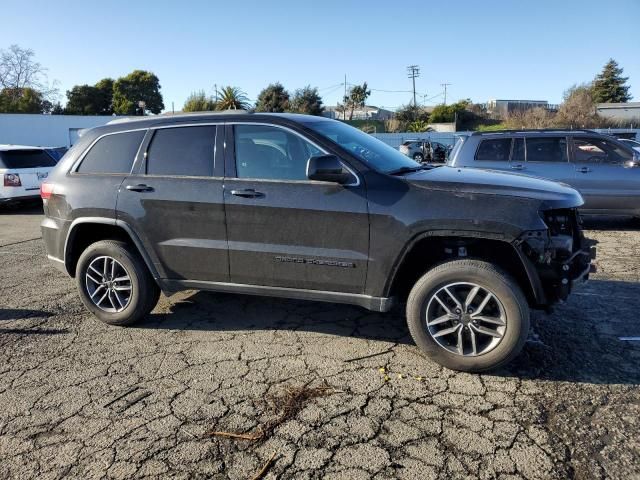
x=182 y=151
x=546 y=149
x=496 y=149
x=112 y=153
x=26 y=159
x=518 y=150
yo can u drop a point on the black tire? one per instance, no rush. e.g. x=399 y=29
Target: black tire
x=144 y=289
x=494 y=280
x=418 y=157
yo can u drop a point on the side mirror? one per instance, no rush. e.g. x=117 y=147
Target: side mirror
x=327 y=168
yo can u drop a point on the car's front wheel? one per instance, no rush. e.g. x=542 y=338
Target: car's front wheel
x=418 y=157
x=468 y=315
x=114 y=283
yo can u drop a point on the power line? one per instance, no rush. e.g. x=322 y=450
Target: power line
x=413 y=71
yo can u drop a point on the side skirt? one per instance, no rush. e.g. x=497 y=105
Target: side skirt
x=376 y=304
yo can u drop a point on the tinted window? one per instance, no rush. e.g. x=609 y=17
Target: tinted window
x=112 y=153
x=26 y=159
x=598 y=150
x=546 y=149
x=271 y=153
x=184 y=151
x=496 y=149
x=518 y=150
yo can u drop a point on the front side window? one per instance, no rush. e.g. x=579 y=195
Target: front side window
x=495 y=149
x=182 y=151
x=546 y=149
x=598 y=150
x=271 y=153
x=112 y=153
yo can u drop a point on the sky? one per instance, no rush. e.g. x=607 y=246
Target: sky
x=485 y=49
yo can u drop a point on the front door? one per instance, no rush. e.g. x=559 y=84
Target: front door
x=603 y=177
x=283 y=229
x=174 y=203
x=548 y=157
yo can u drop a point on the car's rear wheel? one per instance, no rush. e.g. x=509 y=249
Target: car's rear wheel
x=114 y=283
x=418 y=157
x=468 y=315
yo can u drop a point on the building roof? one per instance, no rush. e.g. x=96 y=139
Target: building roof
x=619 y=105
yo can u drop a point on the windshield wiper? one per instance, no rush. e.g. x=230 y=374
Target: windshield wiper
x=401 y=170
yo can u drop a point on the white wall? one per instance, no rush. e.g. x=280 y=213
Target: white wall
x=45 y=130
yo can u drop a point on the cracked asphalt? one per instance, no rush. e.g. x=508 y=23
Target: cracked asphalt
x=79 y=399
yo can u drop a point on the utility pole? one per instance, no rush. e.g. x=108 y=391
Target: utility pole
x=445 y=85
x=413 y=71
x=344 y=100
x=215 y=89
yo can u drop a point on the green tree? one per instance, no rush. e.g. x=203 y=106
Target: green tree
x=105 y=96
x=274 y=98
x=307 y=100
x=138 y=86
x=578 y=109
x=418 y=126
x=199 y=102
x=232 y=98
x=357 y=97
x=23 y=100
x=609 y=86
x=448 y=113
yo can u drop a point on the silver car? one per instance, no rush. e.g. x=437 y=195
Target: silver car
x=425 y=151
x=602 y=168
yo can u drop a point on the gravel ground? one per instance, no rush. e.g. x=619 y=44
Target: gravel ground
x=79 y=399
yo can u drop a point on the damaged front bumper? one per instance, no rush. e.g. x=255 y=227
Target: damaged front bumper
x=561 y=256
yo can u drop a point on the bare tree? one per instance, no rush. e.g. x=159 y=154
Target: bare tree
x=19 y=70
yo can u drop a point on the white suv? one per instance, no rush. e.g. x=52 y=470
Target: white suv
x=22 y=170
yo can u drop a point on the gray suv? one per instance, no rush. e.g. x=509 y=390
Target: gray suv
x=306 y=207
x=602 y=168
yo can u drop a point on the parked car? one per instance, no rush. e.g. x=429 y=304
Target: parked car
x=425 y=151
x=605 y=170
x=306 y=207
x=23 y=169
x=631 y=143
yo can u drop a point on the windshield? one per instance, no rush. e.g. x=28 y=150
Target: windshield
x=456 y=149
x=370 y=150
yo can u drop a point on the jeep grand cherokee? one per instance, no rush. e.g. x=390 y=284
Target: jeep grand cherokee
x=306 y=207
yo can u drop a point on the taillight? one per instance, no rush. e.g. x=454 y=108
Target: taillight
x=12 y=180
x=46 y=189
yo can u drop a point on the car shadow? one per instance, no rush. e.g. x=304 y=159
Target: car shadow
x=609 y=222
x=22 y=314
x=579 y=342
x=33 y=207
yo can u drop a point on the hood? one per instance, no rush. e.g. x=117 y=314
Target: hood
x=492 y=182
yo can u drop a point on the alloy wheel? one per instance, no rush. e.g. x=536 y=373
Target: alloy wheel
x=108 y=284
x=466 y=319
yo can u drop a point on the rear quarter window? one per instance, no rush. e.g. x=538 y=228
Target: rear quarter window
x=113 y=153
x=15 y=159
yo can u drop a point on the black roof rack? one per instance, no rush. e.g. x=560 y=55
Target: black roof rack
x=537 y=130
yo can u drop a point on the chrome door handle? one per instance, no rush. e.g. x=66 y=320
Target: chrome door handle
x=584 y=170
x=247 y=193
x=139 y=188
x=517 y=167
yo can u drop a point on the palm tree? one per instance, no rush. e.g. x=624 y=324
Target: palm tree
x=232 y=98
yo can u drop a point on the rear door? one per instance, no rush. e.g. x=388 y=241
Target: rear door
x=494 y=153
x=285 y=230
x=601 y=176
x=547 y=156
x=174 y=202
